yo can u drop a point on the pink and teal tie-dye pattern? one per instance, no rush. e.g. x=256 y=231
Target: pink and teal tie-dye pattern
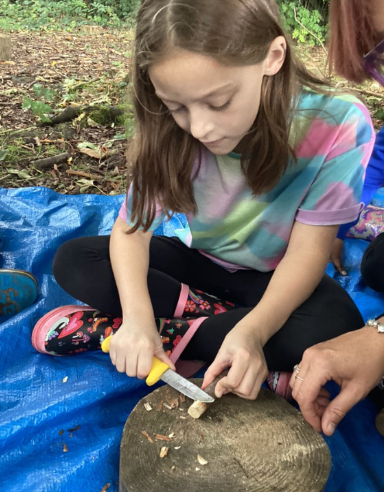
x=333 y=140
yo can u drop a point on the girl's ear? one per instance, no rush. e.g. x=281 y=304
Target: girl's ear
x=276 y=56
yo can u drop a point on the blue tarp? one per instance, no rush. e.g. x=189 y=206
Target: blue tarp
x=41 y=415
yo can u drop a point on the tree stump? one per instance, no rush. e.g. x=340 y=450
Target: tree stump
x=249 y=446
x=5 y=47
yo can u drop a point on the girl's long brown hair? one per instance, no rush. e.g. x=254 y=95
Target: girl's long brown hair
x=234 y=32
x=352 y=35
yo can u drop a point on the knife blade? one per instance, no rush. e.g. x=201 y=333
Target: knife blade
x=161 y=370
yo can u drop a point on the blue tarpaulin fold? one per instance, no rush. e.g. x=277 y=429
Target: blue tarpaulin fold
x=61 y=418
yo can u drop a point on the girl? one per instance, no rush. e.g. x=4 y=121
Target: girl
x=354 y=360
x=236 y=134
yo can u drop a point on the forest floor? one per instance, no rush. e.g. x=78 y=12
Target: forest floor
x=52 y=74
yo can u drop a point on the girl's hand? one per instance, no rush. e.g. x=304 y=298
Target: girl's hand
x=243 y=353
x=354 y=360
x=336 y=254
x=133 y=347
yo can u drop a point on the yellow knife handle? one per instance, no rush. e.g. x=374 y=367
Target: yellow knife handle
x=105 y=344
x=158 y=369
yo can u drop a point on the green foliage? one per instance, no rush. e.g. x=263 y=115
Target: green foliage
x=40 y=108
x=305 y=20
x=65 y=14
x=300 y=16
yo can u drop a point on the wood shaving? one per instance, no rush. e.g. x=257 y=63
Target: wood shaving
x=148 y=407
x=177 y=447
x=160 y=405
x=106 y=487
x=145 y=434
x=65 y=379
x=163 y=452
x=182 y=398
x=174 y=403
x=74 y=429
x=167 y=406
x=201 y=460
x=173 y=468
x=65 y=448
x=160 y=437
x=182 y=417
x=197 y=469
x=171 y=436
x=61 y=432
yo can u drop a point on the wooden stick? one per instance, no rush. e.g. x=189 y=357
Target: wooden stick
x=197 y=408
x=50 y=161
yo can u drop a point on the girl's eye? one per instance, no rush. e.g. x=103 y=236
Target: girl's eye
x=221 y=108
x=177 y=110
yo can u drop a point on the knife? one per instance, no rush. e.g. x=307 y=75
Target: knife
x=161 y=370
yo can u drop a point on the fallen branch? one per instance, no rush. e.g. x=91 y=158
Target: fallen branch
x=50 y=161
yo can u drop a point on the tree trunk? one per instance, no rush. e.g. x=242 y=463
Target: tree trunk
x=5 y=47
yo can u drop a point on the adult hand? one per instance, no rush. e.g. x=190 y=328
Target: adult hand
x=354 y=360
x=133 y=347
x=336 y=254
x=242 y=351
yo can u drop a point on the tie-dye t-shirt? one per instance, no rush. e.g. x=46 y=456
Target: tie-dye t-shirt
x=332 y=138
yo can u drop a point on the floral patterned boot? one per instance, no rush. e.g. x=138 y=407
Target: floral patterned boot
x=194 y=303
x=278 y=382
x=72 y=329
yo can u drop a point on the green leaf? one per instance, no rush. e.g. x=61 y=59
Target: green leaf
x=87 y=145
x=3 y=154
x=21 y=174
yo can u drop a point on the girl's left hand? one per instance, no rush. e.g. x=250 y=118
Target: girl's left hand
x=242 y=351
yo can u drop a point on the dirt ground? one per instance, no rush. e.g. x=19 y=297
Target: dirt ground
x=49 y=72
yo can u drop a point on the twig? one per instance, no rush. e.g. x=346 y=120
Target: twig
x=71 y=172
x=366 y=93
x=50 y=161
x=310 y=32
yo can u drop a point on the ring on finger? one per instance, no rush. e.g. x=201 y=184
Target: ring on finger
x=298 y=377
x=296 y=368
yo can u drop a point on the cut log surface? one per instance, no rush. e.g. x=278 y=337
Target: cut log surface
x=249 y=446
x=5 y=47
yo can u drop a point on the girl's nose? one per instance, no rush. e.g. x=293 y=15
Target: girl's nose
x=201 y=125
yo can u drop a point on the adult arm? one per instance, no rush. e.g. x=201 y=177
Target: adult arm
x=354 y=360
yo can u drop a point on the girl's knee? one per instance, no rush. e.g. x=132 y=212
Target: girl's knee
x=372 y=264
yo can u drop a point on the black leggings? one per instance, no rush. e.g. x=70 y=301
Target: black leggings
x=372 y=264
x=82 y=267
